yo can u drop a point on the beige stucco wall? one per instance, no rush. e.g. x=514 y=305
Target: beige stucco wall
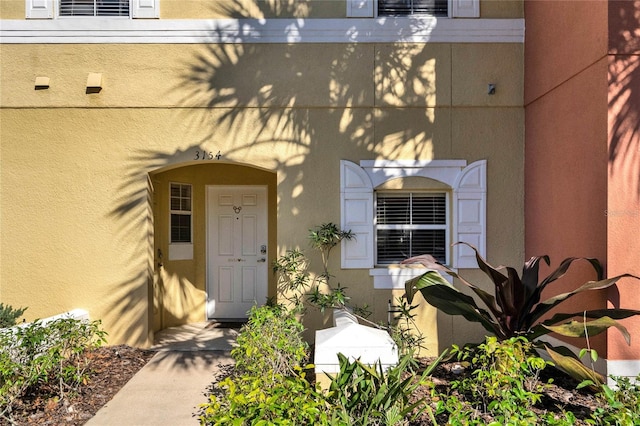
x=77 y=219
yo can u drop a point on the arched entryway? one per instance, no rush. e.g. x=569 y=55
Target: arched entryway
x=214 y=237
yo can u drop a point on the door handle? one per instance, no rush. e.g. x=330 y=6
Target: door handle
x=261 y=260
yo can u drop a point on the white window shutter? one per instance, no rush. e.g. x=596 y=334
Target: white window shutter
x=470 y=207
x=465 y=8
x=39 y=9
x=356 y=207
x=145 y=8
x=360 y=8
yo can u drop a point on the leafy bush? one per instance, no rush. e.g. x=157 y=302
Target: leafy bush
x=623 y=403
x=285 y=400
x=294 y=278
x=268 y=384
x=367 y=395
x=49 y=355
x=9 y=315
x=270 y=343
x=404 y=332
x=516 y=308
x=505 y=378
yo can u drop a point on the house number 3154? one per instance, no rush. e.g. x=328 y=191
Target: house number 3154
x=207 y=155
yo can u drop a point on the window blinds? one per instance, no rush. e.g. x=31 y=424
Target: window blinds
x=410 y=224
x=94 y=8
x=411 y=7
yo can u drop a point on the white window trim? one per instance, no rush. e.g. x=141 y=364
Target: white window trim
x=48 y=9
x=358 y=182
x=411 y=29
x=180 y=250
x=457 y=8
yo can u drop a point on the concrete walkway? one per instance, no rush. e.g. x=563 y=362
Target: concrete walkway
x=168 y=390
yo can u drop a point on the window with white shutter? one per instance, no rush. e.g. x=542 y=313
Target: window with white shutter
x=413 y=8
x=136 y=9
x=94 y=8
x=393 y=224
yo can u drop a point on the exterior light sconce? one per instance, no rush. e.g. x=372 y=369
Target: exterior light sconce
x=491 y=89
x=94 y=82
x=42 y=83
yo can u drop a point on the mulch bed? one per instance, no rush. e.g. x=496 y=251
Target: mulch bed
x=561 y=394
x=112 y=367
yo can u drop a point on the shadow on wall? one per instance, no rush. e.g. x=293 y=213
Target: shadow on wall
x=262 y=98
x=133 y=317
x=624 y=91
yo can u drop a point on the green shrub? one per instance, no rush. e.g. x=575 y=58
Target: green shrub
x=268 y=384
x=250 y=400
x=622 y=402
x=294 y=279
x=51 y=355
x=270 y=343
x=9 y=316
x=403 y=330
x=504 y=382
x=367 y=395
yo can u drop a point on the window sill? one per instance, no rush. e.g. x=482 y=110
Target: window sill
x=394 y=277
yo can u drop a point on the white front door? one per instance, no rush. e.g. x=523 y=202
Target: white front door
x=236 y=250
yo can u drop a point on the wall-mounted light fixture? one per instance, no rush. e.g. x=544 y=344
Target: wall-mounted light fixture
x=42 y=83
x=94 y=82
x=491 y=89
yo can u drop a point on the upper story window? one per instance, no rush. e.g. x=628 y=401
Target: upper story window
x=413 y=7
x=52 y=9
x=94 y=8
x=409 y=224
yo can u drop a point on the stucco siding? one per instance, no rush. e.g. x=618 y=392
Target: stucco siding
x=261 y=9
x=84 y=175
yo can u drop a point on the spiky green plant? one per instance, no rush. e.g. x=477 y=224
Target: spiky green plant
x=516 y=308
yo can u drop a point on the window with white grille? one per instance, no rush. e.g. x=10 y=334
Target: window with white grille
x=94 y=8
x=409 y=224
x=180 y=213
x=413 y=7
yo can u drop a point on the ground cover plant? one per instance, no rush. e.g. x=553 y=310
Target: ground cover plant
x=110 y=368
x=499 y=382
x=50 y=356
x=502 y=381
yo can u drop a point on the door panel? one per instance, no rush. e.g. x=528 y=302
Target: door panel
x=236 y=259
x=249 y=284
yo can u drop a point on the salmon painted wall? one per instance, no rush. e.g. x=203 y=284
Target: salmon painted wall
x=623 y=210
x=582 y=148
x=565 y=140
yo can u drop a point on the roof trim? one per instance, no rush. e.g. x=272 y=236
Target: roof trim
x=239 y=31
